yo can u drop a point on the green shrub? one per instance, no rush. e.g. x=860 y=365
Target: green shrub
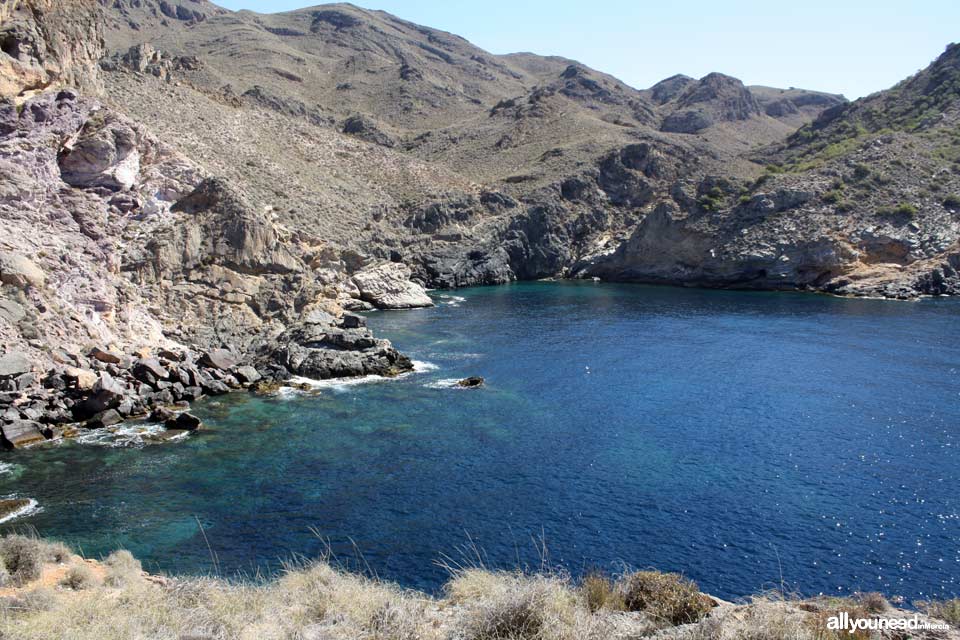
x=952 y=202
x=902 y=209
x=861 y=172
x=831 y=197
x=665 y=597
x=845 y=206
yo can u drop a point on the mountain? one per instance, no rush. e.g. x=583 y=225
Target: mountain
x=220 y=178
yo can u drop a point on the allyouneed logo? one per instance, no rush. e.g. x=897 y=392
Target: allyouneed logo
x=843 y=621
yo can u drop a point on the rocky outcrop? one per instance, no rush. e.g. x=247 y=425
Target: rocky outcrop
x=388 y=286
x=335 y=350
x=714 y=98
x=46 y=44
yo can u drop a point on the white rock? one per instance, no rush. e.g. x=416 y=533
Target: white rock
x=388 y=286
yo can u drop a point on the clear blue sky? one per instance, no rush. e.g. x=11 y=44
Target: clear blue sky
x=854 y=48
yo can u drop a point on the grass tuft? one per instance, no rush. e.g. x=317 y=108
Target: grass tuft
x=668 y=598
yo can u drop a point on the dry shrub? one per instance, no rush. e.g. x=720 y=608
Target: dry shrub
x=122 y=568
x=23 y=558
x=514 y=606
x=873 y=602
x=78 y=577
x=667 y=598
x=57 y=552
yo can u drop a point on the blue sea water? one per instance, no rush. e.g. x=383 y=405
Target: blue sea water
x=744 y=439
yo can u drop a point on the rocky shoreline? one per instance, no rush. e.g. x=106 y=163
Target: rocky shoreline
x=104 y=387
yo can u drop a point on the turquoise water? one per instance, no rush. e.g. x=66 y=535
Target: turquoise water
x=736 y=437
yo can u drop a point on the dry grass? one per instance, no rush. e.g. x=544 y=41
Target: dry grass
x=122 y=568
x=318 y=601
x=601 y=593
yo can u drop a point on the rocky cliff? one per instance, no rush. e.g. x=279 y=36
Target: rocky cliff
x=49 y=44
x=218 y=180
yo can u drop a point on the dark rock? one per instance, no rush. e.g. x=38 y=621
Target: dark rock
x=21 y=433
x=471 y=383
x=185 y=422
x=108 y=390
x=162 y=414
x=350 y=321
x=219 y=359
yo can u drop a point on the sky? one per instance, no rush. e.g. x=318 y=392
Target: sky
x=848 y=47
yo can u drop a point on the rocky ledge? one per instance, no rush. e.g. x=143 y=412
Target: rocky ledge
x=103 y=387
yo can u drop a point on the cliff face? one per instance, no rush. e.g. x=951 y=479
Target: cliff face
x=242 y=169
x=48 y=44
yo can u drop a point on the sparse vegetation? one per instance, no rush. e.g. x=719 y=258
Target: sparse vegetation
x=668 y=598
x=318 y=600
x=902 y=209
x=601 y=593
x=946 y=610
x=79 y=576
x=952 y=201
x=22 y=557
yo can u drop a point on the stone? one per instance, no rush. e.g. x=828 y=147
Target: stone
x=19 y=271
x=192 y=394
x=350 y=321
x=168 y=435
x=82 y=379
x=27 y=380
x=11 y=311
x=104 y=356
x=216 y=388
x=247 y=374
x=22 y=433
x=162 y=414
x=106 y=418
x=388 y=286
x=220 y=359
x=149 y=370
x=14 y=364
x=185 y=422
x=471 y=383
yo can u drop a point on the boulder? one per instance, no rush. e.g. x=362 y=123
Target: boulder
x=220 y=359
x=350 y=321
x=247 y=374
x=19 y=271
x=162 y=414
x=149 y=370
x=471 y=383
x=82 y=379
x=388 y=286
x=106 y=418
x=109 y=390
x=104 y=356
x=14 y=364
x=185 y=422
x=22 y=433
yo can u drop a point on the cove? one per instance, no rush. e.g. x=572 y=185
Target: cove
x=735 y=437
